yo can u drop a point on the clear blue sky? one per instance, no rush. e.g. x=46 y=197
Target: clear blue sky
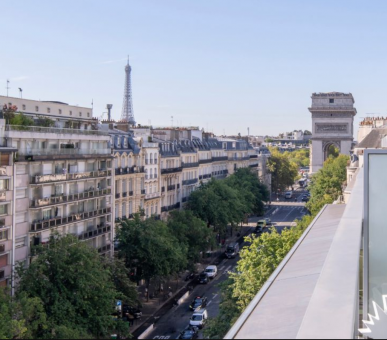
x=224 y=64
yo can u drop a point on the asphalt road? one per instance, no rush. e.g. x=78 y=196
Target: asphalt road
x=173 y=322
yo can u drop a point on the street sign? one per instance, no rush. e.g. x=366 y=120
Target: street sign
x=119 y=305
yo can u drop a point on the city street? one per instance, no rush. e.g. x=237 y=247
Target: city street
x=172 y=323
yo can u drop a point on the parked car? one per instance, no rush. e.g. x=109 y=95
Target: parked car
x=211 y=271
x=199 y=319
x=203 y=278
x=268 y=221
x=262 y=224
x=198 y=303
x=305 y=198
x=258 y=229
x=191 y=332
x=288 y=195
x=132 y=311
x=232 y=250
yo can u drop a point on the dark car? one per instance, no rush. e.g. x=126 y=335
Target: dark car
x=305 y=198
x=258 y=229
x=189 y=333
x=203 y=278
x=132 y=311
x=198 y=303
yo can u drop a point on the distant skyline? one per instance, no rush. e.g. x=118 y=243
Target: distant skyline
x=223 y=65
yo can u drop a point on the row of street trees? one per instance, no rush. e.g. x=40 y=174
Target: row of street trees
x=228 y=202
x=68 y=292
x=261 y=258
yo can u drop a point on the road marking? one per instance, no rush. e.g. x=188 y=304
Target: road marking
x=209 y=303
x=221 y=268
x=227 y=270
x=215 y=296
x=162 y=337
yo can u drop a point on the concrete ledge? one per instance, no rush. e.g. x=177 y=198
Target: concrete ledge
x=148 y=331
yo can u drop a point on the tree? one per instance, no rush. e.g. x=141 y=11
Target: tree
x=217 y=204
x=257 y=263
x=75 y=288
x=307 y=133
x=149 y=249
x=327 y=185
x=21 y=120
x=21 y=318
x=9 y=112
x=252 y=192
x=45 y=122
x=284 y=173
x=191 y=232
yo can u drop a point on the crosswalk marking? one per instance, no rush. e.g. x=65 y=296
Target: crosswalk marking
x=221 y=268
x=162 y=337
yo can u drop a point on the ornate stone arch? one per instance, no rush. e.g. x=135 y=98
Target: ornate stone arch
x=328 y=144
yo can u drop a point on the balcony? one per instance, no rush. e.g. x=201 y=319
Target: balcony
x=253 y=156
x=205 y=161
x=163 y=189
x=190 y=181
x=70 y=177
x=143 y=192
x=171 y=170
x=218 y=159
x=94 y=233
x=57 y=131
x=124 y=194
x=207 y=176
x=66 y=152
x=118 y=195
x=254 y=165
x=189 y=165
x=129 y=170
x=152 y=196
x=60 y=221
x=130 y=193
x=69 y=198
x=104 y=249
x=171 y=207
x=171 y=187
x=245 y=158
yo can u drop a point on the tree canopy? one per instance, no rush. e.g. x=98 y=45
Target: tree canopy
x=149 y=249
x=284 y=172
x=75 y=288
x=327 y=184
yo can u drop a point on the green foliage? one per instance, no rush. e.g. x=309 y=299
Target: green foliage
x=191 y=232
x=21 y=318
x=284 y=172
x=21 y=120
x=299 y=157
x=45 y=122
x=75 y=288
x=8 y=112
x=257 y=263
x=220 y=203
x=149 y=249
x=269 y=140
x=307 y=133
x=327 y=184
x=333 y=152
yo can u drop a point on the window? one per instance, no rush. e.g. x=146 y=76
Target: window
x=24 y=107
x=331 y=101
x=20 y=242
x=4 y=183
x=80 y=114
x=3 y=235
x=48 y=110
x=88 y=114
x=3 y=260
x=37 y=108
x=71 y=113
x=3 y=209
x=60 y=111
x=47 y=214
x=4 y=159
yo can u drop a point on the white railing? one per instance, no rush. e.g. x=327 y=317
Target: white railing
x=55 y=130
x=49 y=152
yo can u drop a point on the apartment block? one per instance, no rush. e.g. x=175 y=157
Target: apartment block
x=63 y=175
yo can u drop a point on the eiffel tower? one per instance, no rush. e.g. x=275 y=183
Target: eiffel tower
x=127 y=107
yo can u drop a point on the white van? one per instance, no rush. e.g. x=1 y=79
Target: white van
x=211 y=271
x=199 y=319
x=289 y=195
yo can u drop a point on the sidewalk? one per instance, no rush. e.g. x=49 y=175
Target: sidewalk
x=158 y=300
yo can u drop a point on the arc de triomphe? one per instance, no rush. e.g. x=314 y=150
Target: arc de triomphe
x=332 y=118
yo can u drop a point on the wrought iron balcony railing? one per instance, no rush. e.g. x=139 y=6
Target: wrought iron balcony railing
x=70 y=177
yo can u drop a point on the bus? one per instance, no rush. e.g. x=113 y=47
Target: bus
x=303 y=182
